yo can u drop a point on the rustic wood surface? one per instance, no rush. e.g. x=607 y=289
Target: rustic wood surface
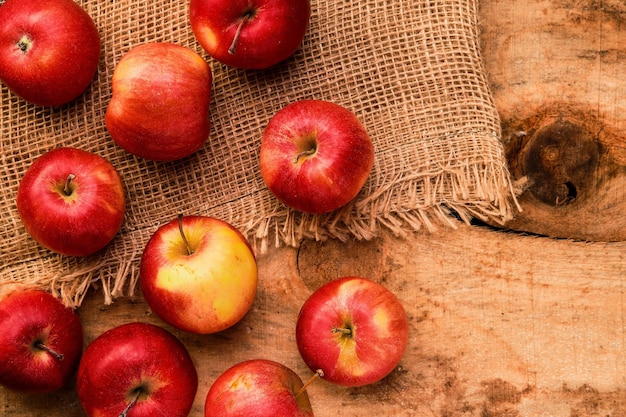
x=502 y=323
x=557 y=70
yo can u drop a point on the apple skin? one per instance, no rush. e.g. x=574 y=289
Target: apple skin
x=378 y=324
x=207 y=291
x=159 y=109
x=272 y=31
x=315 y=156
x=49 y=50
x=257 y=388
x=136 y=358
x=78 y=224
x=30 y=316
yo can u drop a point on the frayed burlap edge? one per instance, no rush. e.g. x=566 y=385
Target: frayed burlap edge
x=474 y=191
x=401 y=202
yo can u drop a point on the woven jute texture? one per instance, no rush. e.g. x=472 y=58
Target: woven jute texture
x=410 y=70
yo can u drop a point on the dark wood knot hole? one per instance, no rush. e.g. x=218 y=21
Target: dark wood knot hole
x=561 y=162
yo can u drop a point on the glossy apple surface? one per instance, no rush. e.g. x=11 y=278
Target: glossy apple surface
x=353 y=329
x=159 y=109
x=40 y=343
x=139 y=368
x=202 y=283
x=258 y=388
x=49 y=50
x=315 y=156
x=249 y=34
x=71 y=201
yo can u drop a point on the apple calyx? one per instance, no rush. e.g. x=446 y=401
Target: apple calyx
x=182 y=235
x=24 y=44
x=318 y=374
x=41 y=346
x=244 y=19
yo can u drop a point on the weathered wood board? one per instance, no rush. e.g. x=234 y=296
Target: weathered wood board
x=502 y=323
x=558 y=77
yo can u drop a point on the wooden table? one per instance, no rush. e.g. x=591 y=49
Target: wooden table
x=502 y=323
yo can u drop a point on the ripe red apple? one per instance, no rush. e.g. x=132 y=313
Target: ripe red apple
x=136 y=370
x=71 y=201
x=49 y=50
x=258 y=388
x=249 y=34
x=159 y=108
x=315 y=156
x=40 y=343
x=198 y=274
x=354 y=330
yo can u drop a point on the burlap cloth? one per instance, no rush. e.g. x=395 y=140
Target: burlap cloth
x=411 y=71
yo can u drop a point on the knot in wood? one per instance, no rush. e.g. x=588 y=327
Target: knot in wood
x=561 y=161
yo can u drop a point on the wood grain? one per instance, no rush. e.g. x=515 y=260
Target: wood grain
x=502 y=324
x=562 y=61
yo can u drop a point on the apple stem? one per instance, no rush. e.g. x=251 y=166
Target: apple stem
x=48 y=349
x=318 y=374
x=182 y=234
x=131 y=404
x=342 y=330
x=303 y=154
x=244 y=20
x=67 y=190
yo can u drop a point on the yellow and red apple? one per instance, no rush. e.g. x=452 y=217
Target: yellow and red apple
x=354 y=330
x=258 y=388
x=199 y=274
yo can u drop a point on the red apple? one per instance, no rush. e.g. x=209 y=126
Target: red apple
x=71 y=201
x=40 y=343
x=49 y=50
x=250 y=34
x=198 y=274
x=136 y=370
x=315 y=156
x=354 y=330
x=258 y=388
x=159 y=108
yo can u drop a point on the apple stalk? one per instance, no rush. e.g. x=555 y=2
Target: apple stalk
x=342 y=330
x=182 y=235
x=244 y=20
x=132 y=403
x=304 y=154
x=318 y=374
x=67 y=187
x=45 y=348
